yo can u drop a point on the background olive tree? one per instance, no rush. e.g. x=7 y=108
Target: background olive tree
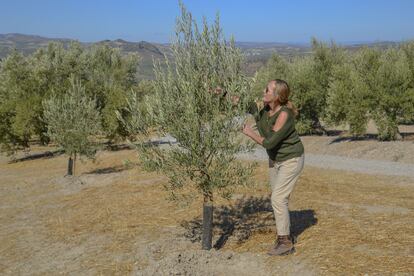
x=349 y=98
x=185 y=104
x=394 y=98
x=374 y=84
x=18 y=108
x=309 y=80
x=73 y=123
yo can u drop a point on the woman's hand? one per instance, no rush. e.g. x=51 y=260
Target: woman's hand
x=247 y=130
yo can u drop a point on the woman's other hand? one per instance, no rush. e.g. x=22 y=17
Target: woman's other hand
x=235 y=99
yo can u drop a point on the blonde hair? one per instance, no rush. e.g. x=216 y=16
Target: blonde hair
x=283 y=91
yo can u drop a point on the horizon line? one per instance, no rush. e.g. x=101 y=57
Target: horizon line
x=237 y=41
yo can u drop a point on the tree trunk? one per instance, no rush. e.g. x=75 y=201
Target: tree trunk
x=207 y=223
x=70 y=166
x=398 y=135
x=318 y=128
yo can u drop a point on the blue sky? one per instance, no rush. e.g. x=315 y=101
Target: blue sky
x=256 y=20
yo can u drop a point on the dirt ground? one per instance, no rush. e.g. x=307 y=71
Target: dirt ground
x=368 y=147
x=114 y=219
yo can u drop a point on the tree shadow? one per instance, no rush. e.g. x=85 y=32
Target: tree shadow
x=117 y=147
x=151 y=143
x=365 y=137
x=247 y=216
x=35 y=156
x=109 y=170
x=334 y=132
x=406 y=136
x=159 y=142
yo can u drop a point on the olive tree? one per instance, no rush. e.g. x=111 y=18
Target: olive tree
x=349 y=98
x=394 y=98
x=408 y=50
x=17 y=107
x=73 y=123
x=305 y=96
x=192 y=102
x=374 y=84
x=324 y=58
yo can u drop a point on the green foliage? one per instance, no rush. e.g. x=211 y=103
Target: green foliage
x=184 y=105
x=144 y=88
x=25 y=82
x=108 y=76
x=304 y=96
x=15 y=103
x=374 y=85
x=341 y=88
x=73 y=121
x=349 y=97
x=324 y=58
x=394 y=98
x=408 y=51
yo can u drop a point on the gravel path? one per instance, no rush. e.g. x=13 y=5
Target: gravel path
x=376 y=167
x=345 y=163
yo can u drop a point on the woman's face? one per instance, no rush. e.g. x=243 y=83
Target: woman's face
x=268 y=95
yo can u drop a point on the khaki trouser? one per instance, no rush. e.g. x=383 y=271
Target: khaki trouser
x=283 y=177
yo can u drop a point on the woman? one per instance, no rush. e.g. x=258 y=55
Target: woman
x=276 y=125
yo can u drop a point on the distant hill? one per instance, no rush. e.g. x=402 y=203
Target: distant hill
x=127 y=46
x=146 y=51
x=27 y=44
x=256 y=53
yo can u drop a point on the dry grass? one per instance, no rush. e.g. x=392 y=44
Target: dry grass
x=348 y=223
x=364 y=223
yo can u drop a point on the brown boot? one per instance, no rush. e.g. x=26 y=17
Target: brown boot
x=283 y=246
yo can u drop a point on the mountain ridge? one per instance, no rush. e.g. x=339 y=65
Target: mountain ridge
x=256 y=53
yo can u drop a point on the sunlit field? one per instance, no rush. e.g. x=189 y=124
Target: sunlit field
x=109 y=219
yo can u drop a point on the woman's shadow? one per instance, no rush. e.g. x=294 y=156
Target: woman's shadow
x=246 y=216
